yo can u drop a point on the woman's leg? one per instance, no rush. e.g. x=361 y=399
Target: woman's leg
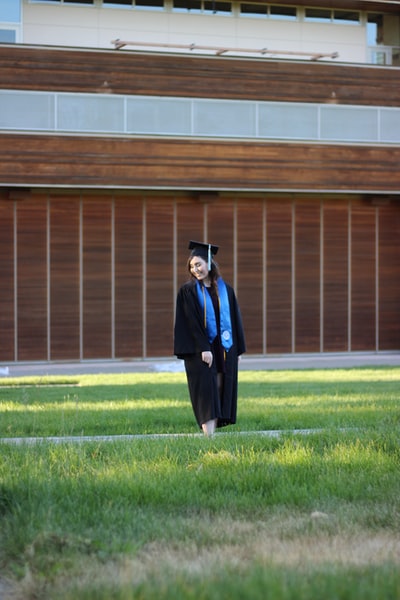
x=209 y=427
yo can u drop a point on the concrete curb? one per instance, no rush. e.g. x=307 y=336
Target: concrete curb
x=79 y=439
x=171 y=364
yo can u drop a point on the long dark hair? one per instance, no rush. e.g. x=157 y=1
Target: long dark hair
x=213 y=274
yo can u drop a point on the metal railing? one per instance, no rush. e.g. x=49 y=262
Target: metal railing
x=219 y=51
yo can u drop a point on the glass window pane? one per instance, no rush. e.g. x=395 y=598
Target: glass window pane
x=288 y=121
x=320 y=15
x=254 y=10
x=390 y=125
x=150 y=4
x=24 y=110
x=375 y=29
x=224 y=118
x=346 y=16
x=283 y=12
x=346 y=123
x=216 y=7
x=159 y=116
x=10 y=11
x=378 y=58
x=90 y=113
x=117 y=2
x=187 y=5
x=7 y=36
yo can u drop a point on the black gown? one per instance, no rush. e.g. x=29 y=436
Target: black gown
x=190 y=340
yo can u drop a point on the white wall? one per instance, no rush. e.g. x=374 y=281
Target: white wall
x=96 y=27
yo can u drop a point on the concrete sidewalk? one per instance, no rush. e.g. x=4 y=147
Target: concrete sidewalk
x=80 y=439
x=171 y=364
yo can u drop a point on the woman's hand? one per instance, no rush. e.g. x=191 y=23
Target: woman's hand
x=207 y=357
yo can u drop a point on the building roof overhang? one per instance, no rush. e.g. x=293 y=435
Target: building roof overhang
x=388 y=6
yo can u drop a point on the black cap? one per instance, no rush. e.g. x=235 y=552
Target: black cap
x=206 y=251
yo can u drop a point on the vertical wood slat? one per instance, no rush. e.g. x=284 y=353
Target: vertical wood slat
x=128 y=277
x=389 y=277
x=32 y=279
x=7 y=324
x=159 y=280
x=188 y=220
x=335 y=284
x=307 y=276
x=250 y=262
x=278 y=275
x=96 y=326
x=220 y=222
x=64 y=279
x=363 y=265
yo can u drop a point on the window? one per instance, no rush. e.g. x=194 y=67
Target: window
x=86 y=2
x=346 y=16
x=8 y=36
x=375 y=29
x=383 y=42
x=326 y=15
x=215 y=7
x=283 y=12
x=10 y=21
x=10 y=12
x=272 y=11
x=150 y=4
x=254 y=10
x=193 y=6
x=117 y=3
x=319 y=15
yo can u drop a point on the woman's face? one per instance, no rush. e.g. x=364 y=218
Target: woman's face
x=198 y=268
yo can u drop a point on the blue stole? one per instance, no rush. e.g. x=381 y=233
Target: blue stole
x=210 y=321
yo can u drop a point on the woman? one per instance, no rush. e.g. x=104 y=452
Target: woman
x=209 y=337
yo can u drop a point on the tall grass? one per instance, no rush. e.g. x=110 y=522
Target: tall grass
x=158 y=403
x=237 y=516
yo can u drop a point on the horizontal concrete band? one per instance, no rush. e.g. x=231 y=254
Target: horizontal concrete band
x=79 y=439
x=168 y=364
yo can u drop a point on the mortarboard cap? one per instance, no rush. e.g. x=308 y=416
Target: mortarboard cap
x=206 y=251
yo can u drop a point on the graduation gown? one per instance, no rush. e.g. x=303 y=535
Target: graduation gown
x=190 y=340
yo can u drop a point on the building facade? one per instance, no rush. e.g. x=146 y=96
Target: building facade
x=128 y=128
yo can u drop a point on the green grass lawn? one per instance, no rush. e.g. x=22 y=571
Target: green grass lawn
x=242 y=515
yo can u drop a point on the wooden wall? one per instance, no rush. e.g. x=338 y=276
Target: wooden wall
x=73 y=161
x=94 y=274
x=87 y=276
x=160 y=74
x=149 y=162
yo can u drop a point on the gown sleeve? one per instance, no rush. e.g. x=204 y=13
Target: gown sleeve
x=190 y=336
x=237 y=323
